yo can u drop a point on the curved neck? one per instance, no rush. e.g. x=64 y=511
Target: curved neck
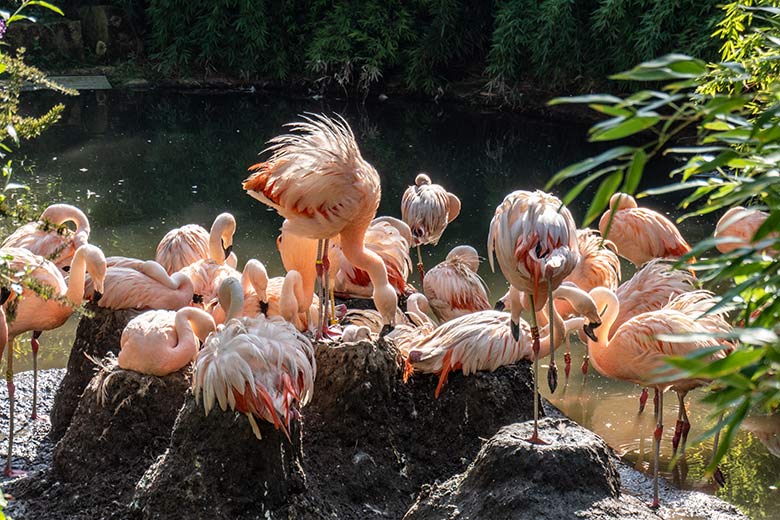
x=216 y=251
x=255 y=277
x=607 y=303
x=291 y=298
x=194 y=321
x=61 y=213
x=78 y=272
x=413 y=307
x=231 y=298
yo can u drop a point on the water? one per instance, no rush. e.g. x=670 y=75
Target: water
x=140 y=164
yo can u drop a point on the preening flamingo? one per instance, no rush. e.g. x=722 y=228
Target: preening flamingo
x=162 y=342
x=186 y=245
x=286 y=298
x=640 y=234
x=737 y=227
x=261 y=367
x=36 y=313
x=50 y=238
x=317 y=179
x=427 y=208
x=534 y=238
x=146 y=287
x=599 y=266
x=254 y=282
x=454 y=288
x=635 y=352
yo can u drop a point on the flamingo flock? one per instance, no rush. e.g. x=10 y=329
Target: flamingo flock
x=250 y=337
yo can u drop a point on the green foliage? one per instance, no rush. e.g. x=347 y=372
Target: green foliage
x=733 y=105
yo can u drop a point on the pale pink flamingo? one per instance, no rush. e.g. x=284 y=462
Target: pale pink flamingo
x=146 y=285
x=32 y=312
x=50 y=238
x=162 y=342
x=737 y=227
x=286 y=298
x=355 y=333
x=427 y=208
x=640 y=234
x=186 y=245
x=254 y=282
x=599 y=266
x=317 y=179
x=636 y=353
x=261 y=367
x=389 y=238
x=454 y=288
x=535 y=241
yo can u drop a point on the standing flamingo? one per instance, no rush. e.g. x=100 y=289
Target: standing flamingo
x=737 y=227
x=640 y=234
x=33 y=312
x=186 y=245
x=427 y=208
x=49 y=238
x=317 y=179
x=454 y=288
x=162 y=342
x=636 y=353
x=535 y=241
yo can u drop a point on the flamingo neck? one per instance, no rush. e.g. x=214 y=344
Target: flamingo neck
x=291 y=297
x=606 y=302
x=194 y=321
x=255 y=277
x=61 y=213
x=232 y=299
x=77 y=278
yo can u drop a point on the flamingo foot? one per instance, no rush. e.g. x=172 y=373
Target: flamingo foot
x=643 y=400
x=678 y=428
x=567 y=365
x=535 y=439
x=584 y=367
x=552 y=377
x=655 y=504
x=421 y=270
x=719 y=477
x=12 y=473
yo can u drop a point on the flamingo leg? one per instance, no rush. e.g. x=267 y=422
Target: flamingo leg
x=320 y=310
x=9 y=379
x=679 y=425
x=35 y=346
x=552 y=372
x=659 y=430
x=643 y=400
x=720 y=479
x=420 y=267
x=535 y=439
x=686 y=425
x=567 y=360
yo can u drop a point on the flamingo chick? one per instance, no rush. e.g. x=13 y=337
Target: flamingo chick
x=453 y=288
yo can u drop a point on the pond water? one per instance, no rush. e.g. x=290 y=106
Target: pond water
x=142 y=163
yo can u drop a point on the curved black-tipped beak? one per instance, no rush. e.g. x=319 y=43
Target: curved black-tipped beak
x=515 y=330
x=387 y=329
x=227 y=250
x=66 y=268
x=197 y=299
x=264 y=308
x=500 y=306
x=588 y=330
x=5 y=293
x=96 y=295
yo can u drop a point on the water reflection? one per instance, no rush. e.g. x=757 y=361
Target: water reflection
x=140 y=164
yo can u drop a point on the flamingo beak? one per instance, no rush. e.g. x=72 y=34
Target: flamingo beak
x=66 y=268
x=197 y=299
x=96 y=295
x=500 y=306
x=227 y=250
x=264 y=308
x=387 y=329
x=515 y=330
x=588 y=330
x=5 y=293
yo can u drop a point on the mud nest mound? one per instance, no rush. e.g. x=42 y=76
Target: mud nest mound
x=215 y=467
x=371 y=441
x=95 y=337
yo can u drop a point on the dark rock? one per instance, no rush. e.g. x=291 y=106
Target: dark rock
x=54 y=40
x=215 y=467
x=95 y=337
x=109 y=33
x=122 y=424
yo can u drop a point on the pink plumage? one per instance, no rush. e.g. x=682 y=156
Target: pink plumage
x=453 y=288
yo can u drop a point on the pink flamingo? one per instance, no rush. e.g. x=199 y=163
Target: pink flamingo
x=636 y=353
x=145 y=286
x=186 y=245
x=599 y=266
x=737 y=227
x=254 y=282
x=640 y=234
x=535 y=241
x=286 y=298
x=454 y=288
x=49 y=238
x=162 y=342
x=261 y=367
x=39 y=313
x=319 y=182
x=427 y=208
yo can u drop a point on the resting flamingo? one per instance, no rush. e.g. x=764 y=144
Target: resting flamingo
x=535 y=241
x=737 y=227
x=635 y=353
x=289 y=289
x=427 y=208
x=640 y=234
x=186 y=245
x=36 y=313
x=161 y=342
x=50 y=238
x=145 y=286
x=317 y=179
x=254 y=282
x=261 y=367
x=454 y=288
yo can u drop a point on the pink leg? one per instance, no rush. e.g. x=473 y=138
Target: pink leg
x=420 y=267
x=9 y=378
x=567 y=365
x=35 y=347
x=535 y=439
x=659 y=430
x=642 y=400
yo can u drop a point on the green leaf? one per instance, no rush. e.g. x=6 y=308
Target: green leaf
x=592 y=98
x=770 y=224
x=628 y=127
x=584 y=183
x=671 y=66
x=635 y=170
x=600 y=201
x=589 y=164
x=47 y=5
x=670 y=188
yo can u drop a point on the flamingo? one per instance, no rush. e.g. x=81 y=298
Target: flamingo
x=454 y=288
x=186 y=245
x=635 y=353
x=599 y=266
x=317 y=179
x=47 y=311
x=737 y=227
x=261 y=367
x=145 y=286
x=50 y=238
x=427 y=208
x=389 y=238
x=254 y=282
x=286 y=298
x=640 y=234
x=534 y=238
x=162 y=342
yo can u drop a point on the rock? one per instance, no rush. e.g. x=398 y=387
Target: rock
x=215 y=467
x=122 y=424
x=108 y=32
x=58 y=40
x=95 y=337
